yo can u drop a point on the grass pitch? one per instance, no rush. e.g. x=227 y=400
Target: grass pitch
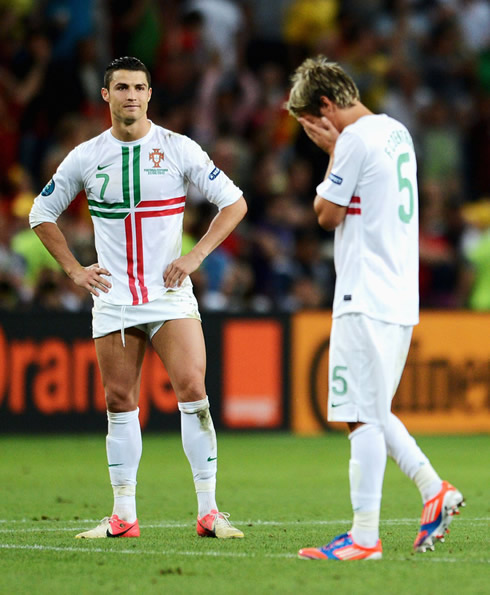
x=283 y=491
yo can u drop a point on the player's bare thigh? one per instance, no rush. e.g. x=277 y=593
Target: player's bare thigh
x=180 y=345
x=120 y=367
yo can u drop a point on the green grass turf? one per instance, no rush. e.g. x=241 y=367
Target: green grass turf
x=284 y=491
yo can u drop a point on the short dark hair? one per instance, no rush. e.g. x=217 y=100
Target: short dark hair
x=125 y=63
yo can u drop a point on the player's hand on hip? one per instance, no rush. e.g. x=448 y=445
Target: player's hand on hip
x=179 y=269
x=321 y=131
x=91 y=279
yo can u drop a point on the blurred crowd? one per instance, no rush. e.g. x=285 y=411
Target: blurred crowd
x=221 y=73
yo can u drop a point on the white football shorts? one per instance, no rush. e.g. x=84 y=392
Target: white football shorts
x=366 y=361
x=149 y=317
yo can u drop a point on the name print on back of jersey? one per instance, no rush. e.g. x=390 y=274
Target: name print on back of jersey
x=156 y=156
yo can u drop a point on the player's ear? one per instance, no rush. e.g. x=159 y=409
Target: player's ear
x=327 y=103
x=105 y=94
x=149 y=94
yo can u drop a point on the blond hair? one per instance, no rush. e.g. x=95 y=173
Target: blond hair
x=317 y=77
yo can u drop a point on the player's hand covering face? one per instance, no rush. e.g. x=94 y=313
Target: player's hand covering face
x=321 y=131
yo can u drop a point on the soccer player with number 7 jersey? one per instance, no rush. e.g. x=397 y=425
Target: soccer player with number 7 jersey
x=135 y=176
x=369 y=196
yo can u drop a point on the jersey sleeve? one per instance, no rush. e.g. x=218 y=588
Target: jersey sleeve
x=349 y=154
x=59 y=192
x=213 y=183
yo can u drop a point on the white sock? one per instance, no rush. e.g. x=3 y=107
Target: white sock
x=200 y=447
x=410 y=458
x=428 y=482
x=366 y=472
x=124 y=449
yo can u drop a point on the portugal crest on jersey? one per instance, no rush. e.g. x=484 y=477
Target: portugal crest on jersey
x=156 y=156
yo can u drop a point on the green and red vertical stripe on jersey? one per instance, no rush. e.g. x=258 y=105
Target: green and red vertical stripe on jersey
x=124 y=210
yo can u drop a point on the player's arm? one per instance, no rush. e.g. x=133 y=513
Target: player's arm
x=220 y=228
x=322 y=132
x=328 y=214
x=87 y=277
x=47 y=208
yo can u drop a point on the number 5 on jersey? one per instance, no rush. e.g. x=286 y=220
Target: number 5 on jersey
x=405 y=184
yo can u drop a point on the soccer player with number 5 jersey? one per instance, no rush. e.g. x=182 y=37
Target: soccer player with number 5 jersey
x=369 y=196
x=135 y=176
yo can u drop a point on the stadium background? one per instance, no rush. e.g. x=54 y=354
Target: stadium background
x=220 y=74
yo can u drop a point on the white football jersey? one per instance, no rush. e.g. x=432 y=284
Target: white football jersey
x=136 y=194
x=376 y=255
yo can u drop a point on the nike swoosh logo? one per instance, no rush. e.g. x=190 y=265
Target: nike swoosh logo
x=212 y=459
x=99 y=167
x=339 y=404
x=109 y=534
x=115 y=465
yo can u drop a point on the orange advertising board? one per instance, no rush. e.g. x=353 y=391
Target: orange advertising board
x=252 y=373
x=64 y=378
x=445 y=387
x=50 y=380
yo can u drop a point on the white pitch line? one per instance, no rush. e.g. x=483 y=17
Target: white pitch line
x=43 y=529
x=45 y=548
x=47 y=525
x=98 y=550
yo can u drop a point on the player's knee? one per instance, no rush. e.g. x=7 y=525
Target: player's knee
x=192 y=389
x=119 y=400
